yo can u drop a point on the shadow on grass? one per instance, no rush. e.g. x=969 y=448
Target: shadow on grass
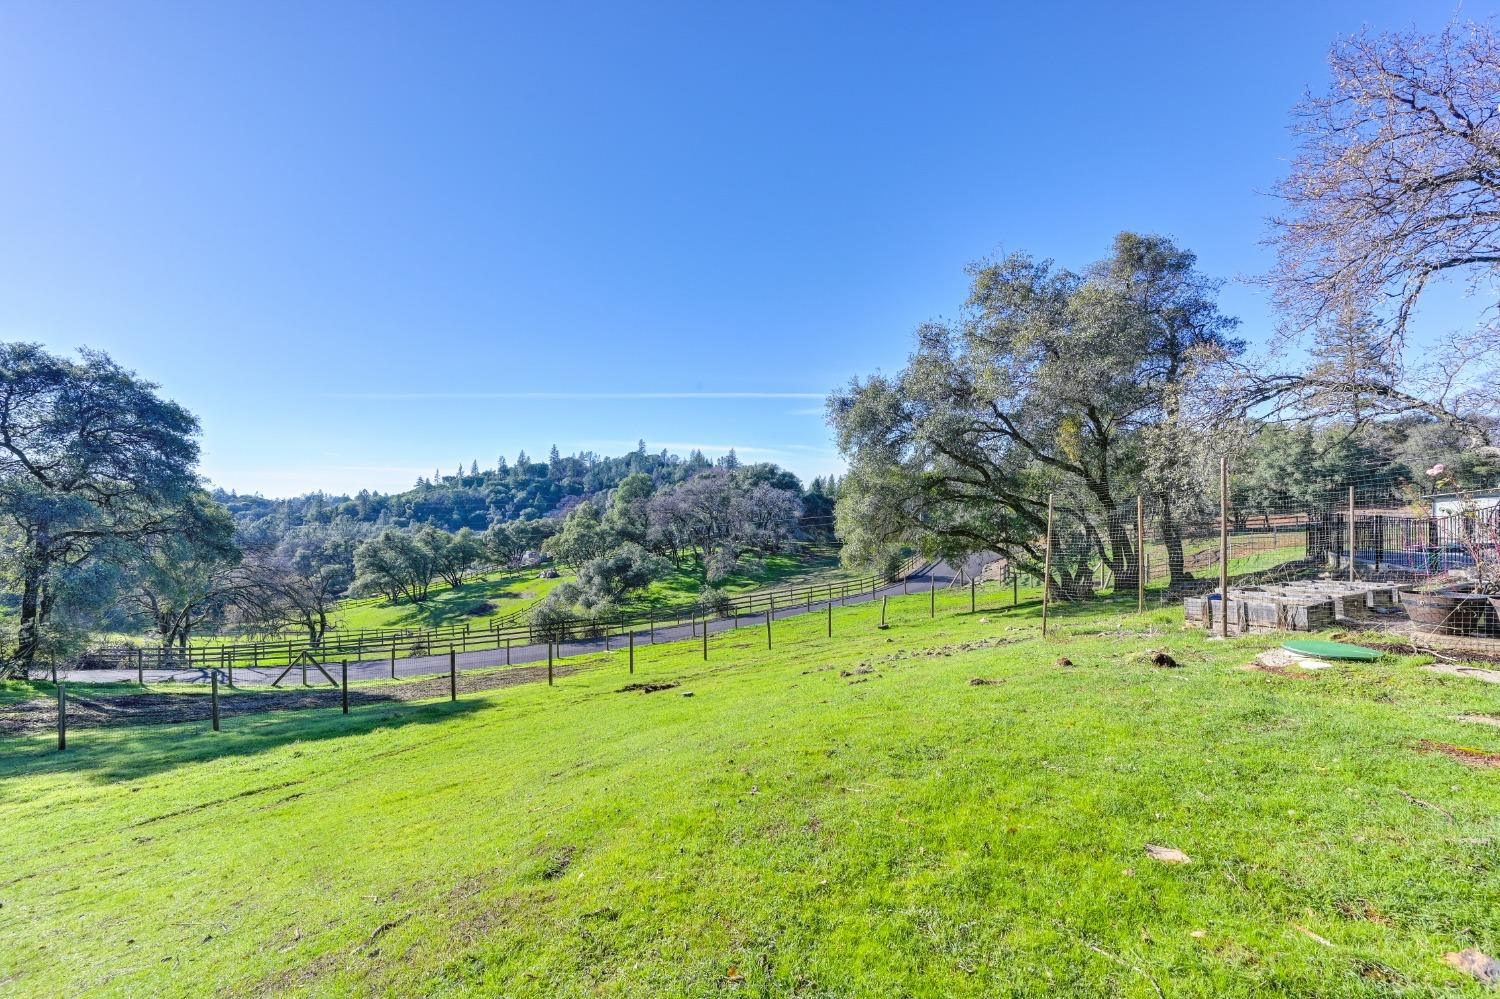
x=114 y=754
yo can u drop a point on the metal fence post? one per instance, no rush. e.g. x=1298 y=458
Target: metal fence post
x=213 y=696
x=1140 y=555
x=1047 y=568
x=1351 y=534
x=1224 y=545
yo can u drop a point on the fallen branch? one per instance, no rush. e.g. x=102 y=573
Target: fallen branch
x=1427 y=804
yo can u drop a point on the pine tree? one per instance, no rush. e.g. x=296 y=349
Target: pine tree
x=1350 y=364
x=474 y=467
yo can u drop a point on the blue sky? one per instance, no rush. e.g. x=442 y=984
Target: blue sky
x=362 y=241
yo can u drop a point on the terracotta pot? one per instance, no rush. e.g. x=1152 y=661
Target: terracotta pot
x=1450 y=612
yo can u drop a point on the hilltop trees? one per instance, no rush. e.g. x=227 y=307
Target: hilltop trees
x=94 y=465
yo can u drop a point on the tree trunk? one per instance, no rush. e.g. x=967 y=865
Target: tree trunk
x=1125 y=557
x=1172 y=537
x=28 y=636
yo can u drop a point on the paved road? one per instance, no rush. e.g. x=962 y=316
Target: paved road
x=374 y=669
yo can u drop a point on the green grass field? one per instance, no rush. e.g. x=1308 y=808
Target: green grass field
x=833 y=818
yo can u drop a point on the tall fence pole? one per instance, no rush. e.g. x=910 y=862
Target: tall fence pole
x=630 y=640
x=452 y=674
x=1224 y=546
x=768 y=627
x=705 y=638
x=1351 y=534
x=972 y=594
x=883 y=602
x=393 y=659
x=213 y=697
x=344 y=683
x=1140 y=555
x=932 y=591
x=140 y=667
x=507 y=652
x=62 y=717
x=830 y=618
x=1047 y=569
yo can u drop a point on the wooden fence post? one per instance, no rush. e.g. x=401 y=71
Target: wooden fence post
x=705 y=638
x=507 y=652
x=1047 y=568
x=344 y=683
x=883 y=602
x=549 y=662
x=768 y=627
x=972 y=595
x=1224 y=545
x=452 y=674
x=213 y=696
x=140 y=667
x=393 y=659
x=62 y=717
x=630 y=644
x=830 y=618
x=932 y=592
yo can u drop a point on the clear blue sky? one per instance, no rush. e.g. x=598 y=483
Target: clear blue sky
x=342 y=233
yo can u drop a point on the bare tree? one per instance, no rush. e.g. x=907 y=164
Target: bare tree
x=1396 y=185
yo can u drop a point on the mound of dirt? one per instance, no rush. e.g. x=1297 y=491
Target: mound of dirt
x=646 y=688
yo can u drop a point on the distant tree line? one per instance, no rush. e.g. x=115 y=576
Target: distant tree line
x=105 y=526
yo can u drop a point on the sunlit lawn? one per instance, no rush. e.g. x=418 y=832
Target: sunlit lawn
x=786 y=830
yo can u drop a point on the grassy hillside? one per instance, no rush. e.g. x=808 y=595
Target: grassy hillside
x=500 y=594
x=844 y=817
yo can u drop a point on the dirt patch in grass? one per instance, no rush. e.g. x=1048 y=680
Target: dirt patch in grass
x=646 y=688
x=1464 y=754
x=1410 y=649
x=1479 y=719
x=1279 y=663
x=40 y=715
